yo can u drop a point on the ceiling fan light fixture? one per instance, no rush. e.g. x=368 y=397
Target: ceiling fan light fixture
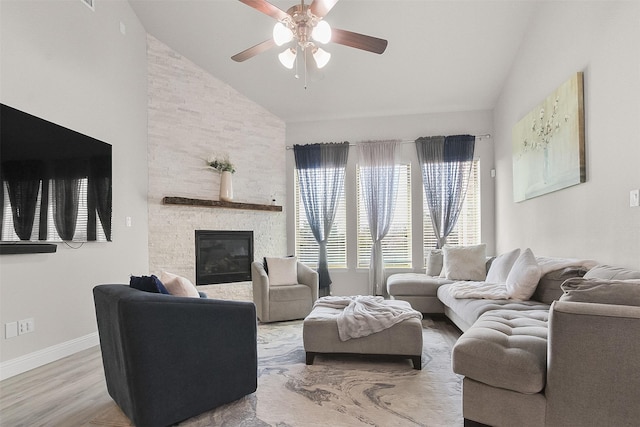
x=321 y=57
x=287 y=58
x=282 y=34
x=322 y=32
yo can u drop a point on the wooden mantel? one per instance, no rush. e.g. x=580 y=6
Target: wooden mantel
x=185 y=201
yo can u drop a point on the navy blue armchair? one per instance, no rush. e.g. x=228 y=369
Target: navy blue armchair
x=170 y=358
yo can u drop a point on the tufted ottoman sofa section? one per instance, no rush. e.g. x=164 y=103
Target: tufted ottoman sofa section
x=505 y=349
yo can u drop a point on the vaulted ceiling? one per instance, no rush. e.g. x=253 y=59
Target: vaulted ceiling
x=442 y=55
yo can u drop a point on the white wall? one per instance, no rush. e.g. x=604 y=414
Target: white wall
x=353 y=281
x=193 y=115
x=72 y=66
x=591 y=220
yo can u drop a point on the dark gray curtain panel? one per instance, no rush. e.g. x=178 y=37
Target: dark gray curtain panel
x=100 y=191
x=446 y=164
x=321 y=169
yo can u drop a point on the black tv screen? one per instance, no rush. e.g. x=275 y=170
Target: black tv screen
x=56 y=182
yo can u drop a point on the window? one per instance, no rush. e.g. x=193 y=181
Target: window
x=306 y=245
x=80 y=235
x=467 y=229
x=396 y=246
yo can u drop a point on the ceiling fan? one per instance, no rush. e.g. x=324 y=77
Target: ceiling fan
x=304 y=24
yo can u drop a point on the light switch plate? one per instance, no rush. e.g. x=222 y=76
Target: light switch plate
x=634 y=198
x=11 y=330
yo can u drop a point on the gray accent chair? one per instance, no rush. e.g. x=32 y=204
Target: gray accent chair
x=169 y=358
x=283 y=302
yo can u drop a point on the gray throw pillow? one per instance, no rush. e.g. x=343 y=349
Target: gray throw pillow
x=434 y=262
x=619 y=292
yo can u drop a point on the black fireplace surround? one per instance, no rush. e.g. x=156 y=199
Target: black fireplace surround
x=223 y=256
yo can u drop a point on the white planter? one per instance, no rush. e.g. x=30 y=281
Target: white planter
x=226 y=187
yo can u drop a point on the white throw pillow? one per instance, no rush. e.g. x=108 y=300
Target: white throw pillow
x=282 y=271
x=178 y=286
x=465 y=262
x=524 y=276
x=501 y=266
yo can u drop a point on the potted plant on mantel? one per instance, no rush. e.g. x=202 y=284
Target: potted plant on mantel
x=226 y=168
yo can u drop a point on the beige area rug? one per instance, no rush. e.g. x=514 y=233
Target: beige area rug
x=336 y=390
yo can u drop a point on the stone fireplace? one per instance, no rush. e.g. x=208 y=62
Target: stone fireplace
x=223 y=256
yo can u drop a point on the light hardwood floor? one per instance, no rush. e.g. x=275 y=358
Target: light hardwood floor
x=71 y=392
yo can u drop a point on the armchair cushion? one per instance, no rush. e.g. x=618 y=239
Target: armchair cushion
x=282 y=271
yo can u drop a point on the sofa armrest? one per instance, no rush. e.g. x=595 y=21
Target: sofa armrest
x=309 y=277
x=593 y=364
x=260 y=285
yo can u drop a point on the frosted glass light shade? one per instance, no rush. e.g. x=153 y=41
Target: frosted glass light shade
x=321 y=57
x=287 y=58
x=321 y=32
x=281 y=34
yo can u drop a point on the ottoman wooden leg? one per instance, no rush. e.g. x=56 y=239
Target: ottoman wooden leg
x=310 y=357
x=417 y=362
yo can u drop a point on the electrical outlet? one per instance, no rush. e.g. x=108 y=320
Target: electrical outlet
x=11 y=330
x=26 y=326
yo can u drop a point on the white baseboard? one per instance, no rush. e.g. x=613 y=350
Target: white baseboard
x=39 y=358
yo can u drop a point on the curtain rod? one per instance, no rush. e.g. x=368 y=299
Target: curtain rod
x=410 y=141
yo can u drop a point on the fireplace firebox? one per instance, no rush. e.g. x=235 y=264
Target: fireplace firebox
x=223 y=256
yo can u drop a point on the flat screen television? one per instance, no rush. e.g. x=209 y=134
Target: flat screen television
x=56 y=182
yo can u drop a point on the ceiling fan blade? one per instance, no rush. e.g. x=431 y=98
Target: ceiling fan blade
x=267 y=8
x=320 y=8
x=358 y=41
x=254 y=50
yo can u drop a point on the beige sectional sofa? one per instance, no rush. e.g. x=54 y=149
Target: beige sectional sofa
x=568 y=356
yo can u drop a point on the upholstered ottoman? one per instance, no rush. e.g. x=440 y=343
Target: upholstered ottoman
x=320 y=336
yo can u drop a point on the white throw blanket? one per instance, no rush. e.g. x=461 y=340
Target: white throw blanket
x=484 y=290
x=366 y=315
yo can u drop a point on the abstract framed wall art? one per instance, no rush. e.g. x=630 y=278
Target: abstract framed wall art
x=548 y=143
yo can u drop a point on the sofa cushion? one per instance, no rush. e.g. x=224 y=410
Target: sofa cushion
x=465 y=262
x=601 y=291
x=284 y=293
x=505 y=349
x=414 y=284
x=179 y=286
x=611 y=272
x=434 y=262
x=549 y=290
x=501 y=266
x=282 y=271
x=470 y=309
x=148 y=284
x=524 y=276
